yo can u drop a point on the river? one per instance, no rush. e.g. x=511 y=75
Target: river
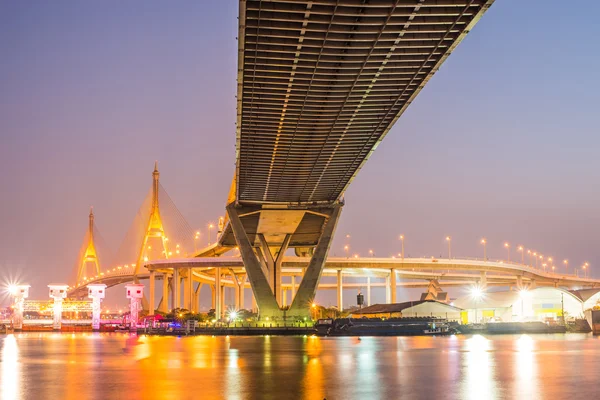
x=106 y=366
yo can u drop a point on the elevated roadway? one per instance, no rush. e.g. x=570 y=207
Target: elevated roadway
x=410 y=272
x=319 y=86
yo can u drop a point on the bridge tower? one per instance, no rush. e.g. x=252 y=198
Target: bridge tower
x=154 y=228
x=90 y=255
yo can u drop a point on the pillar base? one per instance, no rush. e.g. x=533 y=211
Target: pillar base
x=262 y=268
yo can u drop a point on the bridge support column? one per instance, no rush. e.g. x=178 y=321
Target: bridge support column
x=340 y=289
x=308 y=286
x=188 y=290
x=96 y=292
x=218 y=293
x=236 y=296
x=393 y=285
x=164 y=305
x=483 y=280
x=176 y=286
x=388 y=291
x=196 y=305
x=519 y=282
x=238 y=289
x=135 y=292
x=241 y=291
x=273 y=264
x=152 y=293
x=58 y=293
x=267 y=303
x=368 y=290
x=213 y=295
x=223 y=305
x=293 y=290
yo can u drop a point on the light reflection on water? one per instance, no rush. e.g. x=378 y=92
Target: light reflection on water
x=76 y=366
x=479 y=370
x=9 y=380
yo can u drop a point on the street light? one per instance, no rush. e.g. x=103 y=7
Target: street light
x=449 y=240
x=371 y=252
x=196 y=237
x=585 y=268
x=12 y=289
x=522 y=250
x=566 y=262
x=484 y=242
x=402 y=240
x=507 y=249
x=210 y=226
x=529 y=253
x=347 y=249
x=535 y=256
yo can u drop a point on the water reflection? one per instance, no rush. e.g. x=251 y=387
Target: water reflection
x=11 y=378
x=479 y=381
x=75 y=366
x=526 y=382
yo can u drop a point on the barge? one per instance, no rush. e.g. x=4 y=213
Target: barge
x=382 y=327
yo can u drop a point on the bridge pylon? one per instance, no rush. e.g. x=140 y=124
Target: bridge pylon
x=90 y=255
x=263 y=257
x=154 y=227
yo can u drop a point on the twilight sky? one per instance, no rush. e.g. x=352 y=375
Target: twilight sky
x=502 y=143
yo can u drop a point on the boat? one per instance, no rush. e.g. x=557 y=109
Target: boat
x=440 y=329
x=382 y=327
x=122 y=328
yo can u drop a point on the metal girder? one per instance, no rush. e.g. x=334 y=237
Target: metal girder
x=320 y=83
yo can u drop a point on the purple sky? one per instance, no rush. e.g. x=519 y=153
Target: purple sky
x=502 y=143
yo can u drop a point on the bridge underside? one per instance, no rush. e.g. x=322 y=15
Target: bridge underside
x=320 y=84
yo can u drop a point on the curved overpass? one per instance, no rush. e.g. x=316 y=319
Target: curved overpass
x=449 y=272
